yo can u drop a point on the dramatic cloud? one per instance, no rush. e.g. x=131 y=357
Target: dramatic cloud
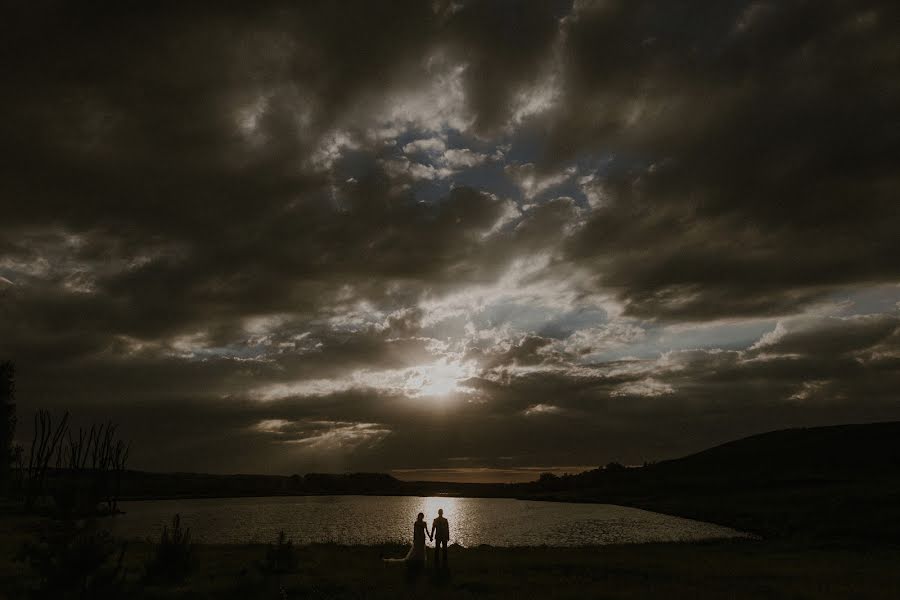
x=450 y=237
x=757 y=176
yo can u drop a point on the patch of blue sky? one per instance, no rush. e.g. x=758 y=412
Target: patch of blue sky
x=569 y=188
x=528 y=144
x=455 y=139
x=659 y=339
x=432 y=190
x=235 y=352
x=411 y=135
x=8 y=274
x=356 y=164
x=741 y=334
x=527 y=318
x=884 y=298
x=563 y=325
x=488 y=177
x=729 y=335
x=450 y=327
x=518 y=318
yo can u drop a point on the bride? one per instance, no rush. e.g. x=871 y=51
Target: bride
x=416 y=554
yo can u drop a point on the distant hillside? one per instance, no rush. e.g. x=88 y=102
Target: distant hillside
x=822 y=482
x=804 y=454
x=816 y=452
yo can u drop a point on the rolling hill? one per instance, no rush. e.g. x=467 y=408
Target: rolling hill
x=838 y=482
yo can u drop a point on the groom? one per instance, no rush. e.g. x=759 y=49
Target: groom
x=440 y=531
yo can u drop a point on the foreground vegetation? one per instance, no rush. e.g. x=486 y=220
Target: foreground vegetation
x=716 y=570
x=721 y=569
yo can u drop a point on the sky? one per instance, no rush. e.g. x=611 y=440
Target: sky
x=449 y=239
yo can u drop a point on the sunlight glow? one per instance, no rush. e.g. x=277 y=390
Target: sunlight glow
x=452 y=507
x=438 y=379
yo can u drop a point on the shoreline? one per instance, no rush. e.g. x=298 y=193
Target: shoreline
x=744 y=532
x=733 y=568
x=740 y=568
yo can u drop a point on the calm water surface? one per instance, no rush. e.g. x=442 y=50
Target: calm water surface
x=378 y=519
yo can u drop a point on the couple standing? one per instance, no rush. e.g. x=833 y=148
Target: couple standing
x=440 y=533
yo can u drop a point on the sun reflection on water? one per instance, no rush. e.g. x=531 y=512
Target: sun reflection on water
x=389 y=519
x=451 y=508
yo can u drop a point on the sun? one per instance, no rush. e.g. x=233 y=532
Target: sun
x=439 y=379
x=439 y=384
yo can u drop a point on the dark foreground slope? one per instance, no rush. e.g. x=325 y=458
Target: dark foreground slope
x=840 y=482
x=736 y=570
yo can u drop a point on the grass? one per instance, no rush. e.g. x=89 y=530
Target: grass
x=723 y=569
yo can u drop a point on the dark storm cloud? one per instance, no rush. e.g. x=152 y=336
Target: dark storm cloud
x=124 y=132
x=504 y=44
x=299 y=261
x=202 y=235
x=754 y=146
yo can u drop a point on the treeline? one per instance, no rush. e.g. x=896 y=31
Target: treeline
x=139 y=484
x=144 y=485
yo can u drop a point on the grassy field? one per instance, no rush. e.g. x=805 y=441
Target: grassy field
x=720 y=570
x=727 y=569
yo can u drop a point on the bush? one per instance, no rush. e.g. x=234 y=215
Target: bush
x=280 y=556
x=76 y=564
x=172 y=560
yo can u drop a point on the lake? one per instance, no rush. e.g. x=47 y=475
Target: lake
x=380 y=519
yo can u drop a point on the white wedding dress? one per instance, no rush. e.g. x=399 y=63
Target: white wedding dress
x=416 y=553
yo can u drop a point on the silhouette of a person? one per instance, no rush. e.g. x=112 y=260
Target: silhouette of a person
x=440 y=531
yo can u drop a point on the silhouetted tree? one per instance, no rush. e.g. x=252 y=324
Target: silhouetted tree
x=7 y=420
x=90 y=469
x=549 y=481
x=45 y=443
